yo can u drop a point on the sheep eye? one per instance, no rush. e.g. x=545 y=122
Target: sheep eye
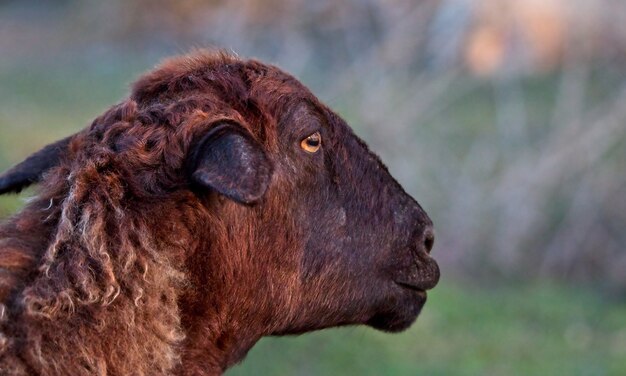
x=312 y=143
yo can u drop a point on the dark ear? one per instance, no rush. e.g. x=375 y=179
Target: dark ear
x=31 y=169
x=229 y=161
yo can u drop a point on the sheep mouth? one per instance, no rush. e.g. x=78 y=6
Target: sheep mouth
x=410 y=286
x=423 y=275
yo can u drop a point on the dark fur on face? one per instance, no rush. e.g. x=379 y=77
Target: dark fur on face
x=187 y=222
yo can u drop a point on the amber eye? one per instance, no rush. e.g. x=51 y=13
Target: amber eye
x=312 y=143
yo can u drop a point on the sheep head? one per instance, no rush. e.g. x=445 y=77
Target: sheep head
x=225 y=200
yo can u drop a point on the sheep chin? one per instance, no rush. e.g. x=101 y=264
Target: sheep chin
x=400 y=315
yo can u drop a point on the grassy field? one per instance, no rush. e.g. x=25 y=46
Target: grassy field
x=531 y=329
x=537 y=329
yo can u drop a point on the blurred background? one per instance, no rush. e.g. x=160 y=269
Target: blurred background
x=506 y=119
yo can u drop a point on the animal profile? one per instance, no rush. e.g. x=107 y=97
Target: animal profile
x=219 y=203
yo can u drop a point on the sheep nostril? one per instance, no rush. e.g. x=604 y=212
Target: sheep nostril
x=429 y=240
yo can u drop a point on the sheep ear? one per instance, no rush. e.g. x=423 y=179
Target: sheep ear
x=229 y=161
x=32 y=168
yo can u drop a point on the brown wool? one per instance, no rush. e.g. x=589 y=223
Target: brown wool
x=186 y=223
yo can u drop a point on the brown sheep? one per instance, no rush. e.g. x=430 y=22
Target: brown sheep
x=220 y=203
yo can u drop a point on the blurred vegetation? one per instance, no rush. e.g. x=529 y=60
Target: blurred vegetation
x=505 y=119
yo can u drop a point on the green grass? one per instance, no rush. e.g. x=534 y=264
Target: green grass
x=536 y=329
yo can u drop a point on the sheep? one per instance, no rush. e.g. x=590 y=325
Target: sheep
x=219 y=203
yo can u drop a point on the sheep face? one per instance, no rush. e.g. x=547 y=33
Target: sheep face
x=363 y=254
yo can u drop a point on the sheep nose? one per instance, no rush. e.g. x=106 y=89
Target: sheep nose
x=428 y=239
